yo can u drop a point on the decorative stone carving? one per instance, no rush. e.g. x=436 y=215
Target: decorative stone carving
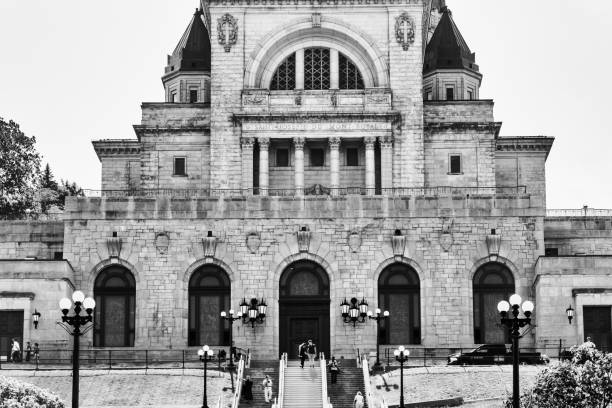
x=386 y=142
x=354 y=241
x=317 y=189
x=209 y=245
x=114 y=246
x=334 y=142
x=404 y=30
x=162 y=242
x=299 y=142
x=298 y=99
x=334 y=99
x=369 y=142
x=378 y=98
x=264 y=143
x=398 y=243
x=227 y=31
x=247 y=142
x=316 y=20
x=254 y=100
x=303 y=238
x=253 y=241
x=493 y=243
x=446 y=235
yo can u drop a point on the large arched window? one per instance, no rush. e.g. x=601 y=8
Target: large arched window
x=114 y=318
x=492 y=282
x=317 y=72
x=209 y=295
x=399 y=293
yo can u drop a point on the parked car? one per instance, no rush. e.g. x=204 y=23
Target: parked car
x=494 y=354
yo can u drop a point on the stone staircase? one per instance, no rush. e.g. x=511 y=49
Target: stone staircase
x=302 y=386
x=258 y=370
x=350 y=380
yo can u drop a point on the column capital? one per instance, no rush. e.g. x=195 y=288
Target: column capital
x=247 y=142
x=369 y=142
x=264 y=142
x=299 y=142
x=334 y=142
x=386 y=142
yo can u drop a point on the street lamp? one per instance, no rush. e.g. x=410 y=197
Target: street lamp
x=76 y=322
x=570 y=313
x=514 y=323
x=401 y=355
x=255 y=312
x=205 y=354
x=231 y=319
x=378 y=318
x=35 y=318
x=354 y=312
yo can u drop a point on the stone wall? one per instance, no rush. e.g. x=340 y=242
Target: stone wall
x=579 y=235
x=31 y=239
x=458 y=111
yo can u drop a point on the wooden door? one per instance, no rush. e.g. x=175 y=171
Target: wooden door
x=598 y=326
x=11 y=326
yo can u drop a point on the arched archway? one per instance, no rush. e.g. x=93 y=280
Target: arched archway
x=115 y=312
x=492 y=282
x=209 y=294
x=303 y=307
x=399 y=292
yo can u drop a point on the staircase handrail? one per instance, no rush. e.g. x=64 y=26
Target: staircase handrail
x=220 y=401
x=238 y=388
x=324 y=397
x=365 y=368
x=281 y=381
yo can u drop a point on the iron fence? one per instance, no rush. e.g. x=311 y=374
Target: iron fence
x=581 y=212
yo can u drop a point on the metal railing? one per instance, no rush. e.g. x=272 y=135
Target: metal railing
x=581 y=212
x=365 y=368
x=238 y=388
x=278 y=402
x=316 y=190
x=219 y=402
x=324 y=396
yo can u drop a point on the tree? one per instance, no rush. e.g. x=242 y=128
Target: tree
x=19 y=170
x=48 y=193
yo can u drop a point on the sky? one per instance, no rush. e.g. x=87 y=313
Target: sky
x=73 y=71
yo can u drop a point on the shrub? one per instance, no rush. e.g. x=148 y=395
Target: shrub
x=15 y=394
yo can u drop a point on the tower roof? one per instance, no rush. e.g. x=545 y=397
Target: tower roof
x=192 y=52
x=447 y=48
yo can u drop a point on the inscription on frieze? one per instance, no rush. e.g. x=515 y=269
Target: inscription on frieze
x=316 y=126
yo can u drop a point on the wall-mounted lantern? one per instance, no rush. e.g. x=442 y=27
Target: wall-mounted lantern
x=35 y=318
x=570 y=313
x=354 y=312
x=255 y=312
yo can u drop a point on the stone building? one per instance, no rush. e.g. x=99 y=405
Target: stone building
x=307 y=153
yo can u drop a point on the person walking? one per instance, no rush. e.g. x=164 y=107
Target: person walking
x=358 y=400
x=15 y=351
x=28 y=351
x=302 y=353
x=267 y=385
x=36 y=352
x=247 y=389
x=334 y=369
x=311 y=349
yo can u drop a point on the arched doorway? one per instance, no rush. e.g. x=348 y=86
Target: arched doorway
x=114 y=315
x=492 y=282
x=303 y=307
x=399 y=292
x=209 y=294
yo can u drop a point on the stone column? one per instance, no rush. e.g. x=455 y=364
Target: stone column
x=334 y=164
x=334 y=69
x=246 y=143
x=386 y=164
x=299 y=69
x=298 y=142
x=264 y=179
x=370 y=178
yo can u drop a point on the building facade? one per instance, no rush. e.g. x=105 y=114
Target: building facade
x=307 y=153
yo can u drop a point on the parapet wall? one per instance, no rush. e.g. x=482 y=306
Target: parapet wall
x=31 y=239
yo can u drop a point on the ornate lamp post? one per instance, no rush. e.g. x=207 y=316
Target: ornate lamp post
x=514 y=323
x=206 y=355
x=354 y=312
x=401 y=355
x=378 y=318
x=255 y=312
x=231 y=319
x=76 y=322
x=570 y=313
x=35 y=318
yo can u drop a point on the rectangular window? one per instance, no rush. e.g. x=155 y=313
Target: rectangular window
x=173 y=97
x=352 y=157
x=317 y=157
x=179 y=166
x=455 y=164
x=193 y=96
x=428 y=94
x=470 y=95
x=450 y=93
x=551 y=252
x=282 y=157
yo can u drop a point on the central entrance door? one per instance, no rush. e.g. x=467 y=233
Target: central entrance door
x=304 y=307
x=598 y=326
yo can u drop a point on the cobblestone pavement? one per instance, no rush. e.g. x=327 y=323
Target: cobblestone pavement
x=132 y=388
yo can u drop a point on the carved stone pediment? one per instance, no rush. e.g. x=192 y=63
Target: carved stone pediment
x=114 y=247
x=354 y=240
x=446 y=235
x=162 y=242
x=493 y=243
x=253 y=242
x=303 y=238
x=398 y=243
x=404 y=30
x=227 y=31
x=209 y=245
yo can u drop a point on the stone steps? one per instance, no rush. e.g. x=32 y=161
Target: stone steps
x=258 y=371
x=302 y=386
x=350 y=380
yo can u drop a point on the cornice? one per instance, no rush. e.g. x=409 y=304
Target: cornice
x=314 y=116
x=525 y=144
x=310 y=3
x=144 y=129
x=117 y=147
x=494 y=127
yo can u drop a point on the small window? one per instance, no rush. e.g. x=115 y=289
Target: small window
x=352 y=157
x=317 y=157
x=429 y=96
x=193 y=96
x=282 y=157
x=58 y=256
x=173 y=97
x=470 y=95
x=455 y=164
x=450 y=94
x=179 y=166
x=551 y=252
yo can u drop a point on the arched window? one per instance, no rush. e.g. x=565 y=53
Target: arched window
x=114 y=317
x=492 y=282
x=399 y=293
x=304 y=279
x=209 y=295
x=317 y=72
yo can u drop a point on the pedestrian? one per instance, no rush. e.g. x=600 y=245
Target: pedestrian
x=247 y=389
x=358 y=400
x=36 y=352
x=267 y=386
x=311 y=349
x=302 y=353
x=589 y=343
x=28 y=351
x=15 y=351
x=334 y=369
